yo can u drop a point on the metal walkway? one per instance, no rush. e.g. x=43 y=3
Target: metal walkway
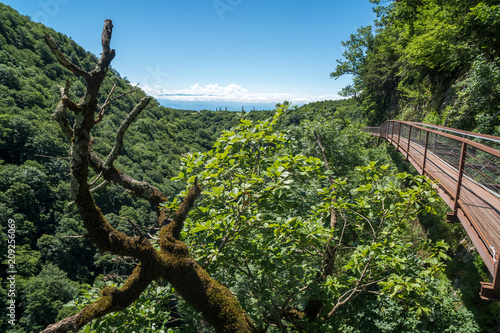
x=466 y=169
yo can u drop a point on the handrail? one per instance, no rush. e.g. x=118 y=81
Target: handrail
x=462 y=132
x=454 y=137
x=467 y=174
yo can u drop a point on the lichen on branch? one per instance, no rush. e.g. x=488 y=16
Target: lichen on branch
x=173 y=263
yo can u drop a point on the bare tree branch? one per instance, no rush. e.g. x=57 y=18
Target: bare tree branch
x=100 y=116
x=140 y=189
x=313 y=306
x=54 y=157
x=153 y=237
x=98 y=187
x=136 y=228
x=333 y=215
x=107 y=54
x=327 y=165
x=136 y=87
x=92 y=190
x=352 y=292
x=123 y=128
x=173 y=262
x=59 y=114
x=367 y=221
x=96 y=179
x=63 y=60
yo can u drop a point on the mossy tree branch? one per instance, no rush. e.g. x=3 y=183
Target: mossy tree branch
x=60 y=112
x=175 y=227
x=111 y=300
x=135 y=187
x=173 y=262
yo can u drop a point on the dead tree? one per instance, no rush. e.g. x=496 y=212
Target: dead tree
x=173 y=262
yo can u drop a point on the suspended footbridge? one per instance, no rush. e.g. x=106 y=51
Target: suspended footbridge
x=466 y=169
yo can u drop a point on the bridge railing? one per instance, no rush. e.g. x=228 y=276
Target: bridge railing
x=372 y=130
x=467 y=173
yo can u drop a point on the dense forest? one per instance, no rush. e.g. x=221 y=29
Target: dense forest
x=433 y=61
x=312 y=224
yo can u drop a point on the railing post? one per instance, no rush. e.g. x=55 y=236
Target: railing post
x=435 y=144
x=425 y=152
x=408 y=146
x=496 y=278
x=491 y=291
x=460 y=173
x=392 y=131
x=452 y=217
x=399 y=134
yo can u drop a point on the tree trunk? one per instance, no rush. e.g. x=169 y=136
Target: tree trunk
x=172 y=262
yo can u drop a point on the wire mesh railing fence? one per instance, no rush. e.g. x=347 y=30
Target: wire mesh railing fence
x=466 y=167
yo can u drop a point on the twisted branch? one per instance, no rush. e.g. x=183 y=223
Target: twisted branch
x=123 y=128
x=100 y=116
x=173 y=262
x=59 y=114
x=111 y=300
x=63 y=60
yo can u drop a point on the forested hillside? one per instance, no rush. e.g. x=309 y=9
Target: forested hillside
x=34 y=171
x=310 y=223
x=428 y=60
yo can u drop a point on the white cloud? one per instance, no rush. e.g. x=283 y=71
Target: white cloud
x=230 y=93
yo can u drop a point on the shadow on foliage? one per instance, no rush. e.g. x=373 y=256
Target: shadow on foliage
x=465 y=270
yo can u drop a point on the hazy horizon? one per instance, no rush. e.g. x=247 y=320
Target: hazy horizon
x=215 y=105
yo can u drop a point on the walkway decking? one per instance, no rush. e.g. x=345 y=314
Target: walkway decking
x=468 y=176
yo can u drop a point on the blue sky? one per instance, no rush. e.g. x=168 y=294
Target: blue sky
x=216 y=50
